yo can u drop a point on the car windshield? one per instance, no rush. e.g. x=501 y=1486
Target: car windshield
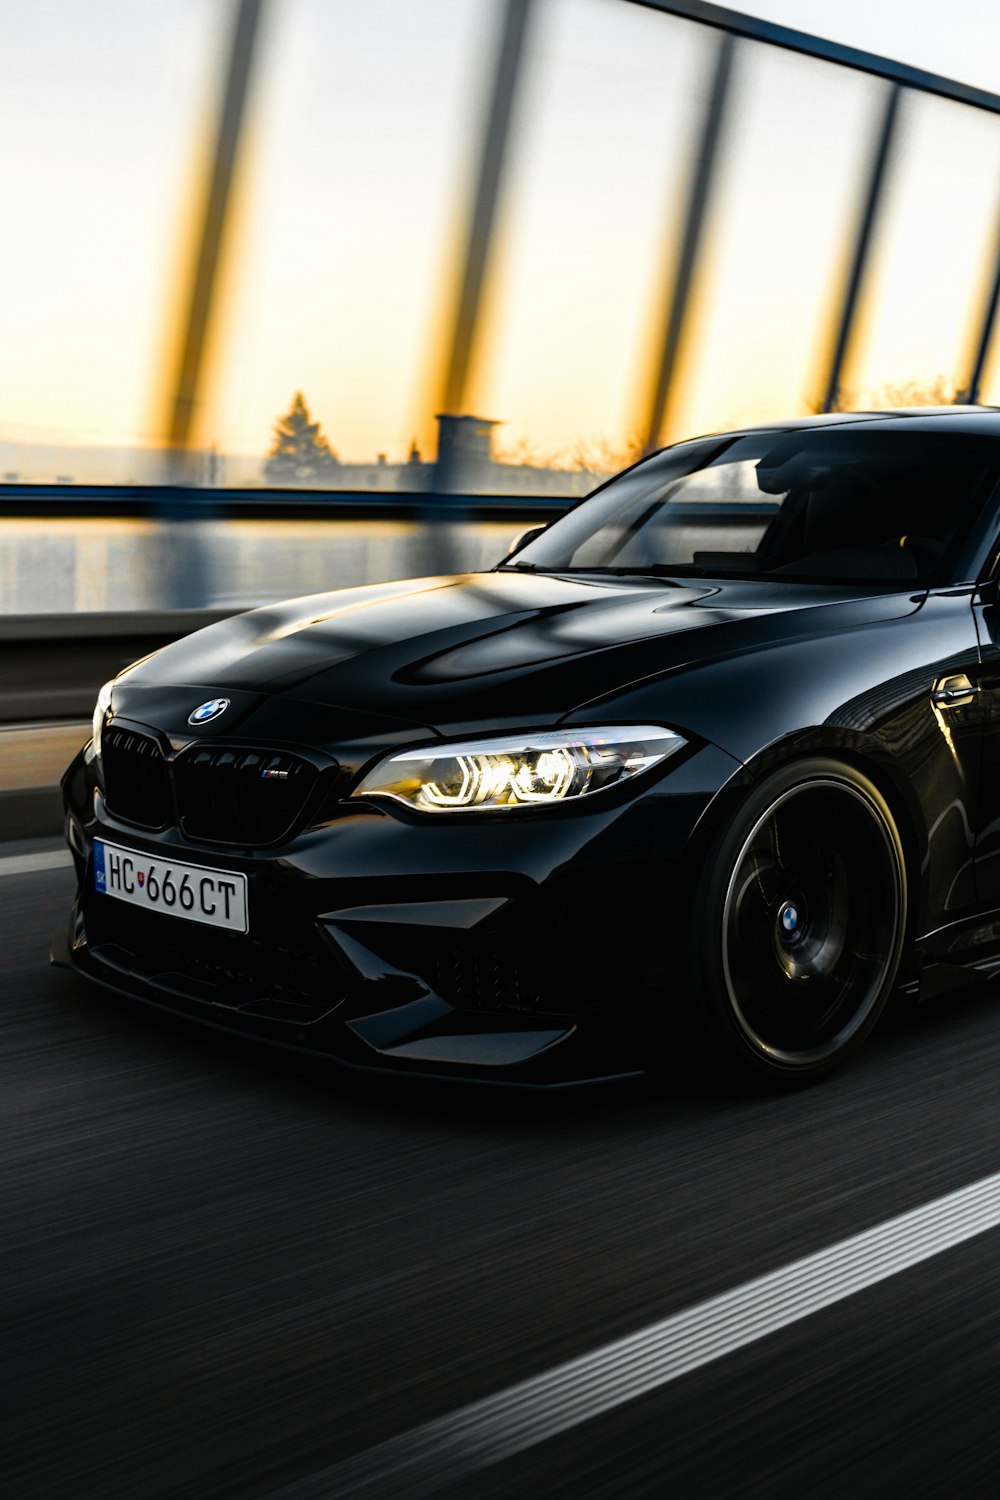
x=831 y=505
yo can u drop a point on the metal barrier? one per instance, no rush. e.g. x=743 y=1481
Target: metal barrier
x=101 y=550
x=153 y=502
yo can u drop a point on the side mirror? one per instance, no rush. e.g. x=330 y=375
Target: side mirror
x=523 y=538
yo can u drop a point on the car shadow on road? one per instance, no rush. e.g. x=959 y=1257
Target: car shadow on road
x=679 y=1094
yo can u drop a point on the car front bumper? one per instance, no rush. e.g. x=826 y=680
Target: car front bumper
x=540 y=949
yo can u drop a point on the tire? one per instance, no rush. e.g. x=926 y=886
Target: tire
x=798 y=927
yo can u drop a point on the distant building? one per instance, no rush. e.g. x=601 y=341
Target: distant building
x=465 y=449
x=467 y=464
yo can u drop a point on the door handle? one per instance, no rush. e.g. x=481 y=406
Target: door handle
x=953 y=692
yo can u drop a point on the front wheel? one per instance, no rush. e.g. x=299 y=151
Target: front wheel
x=798 y=925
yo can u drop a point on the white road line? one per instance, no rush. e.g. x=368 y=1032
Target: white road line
x=28 y=864
x=448 y=1450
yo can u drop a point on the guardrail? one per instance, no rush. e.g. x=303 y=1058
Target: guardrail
x=182 y=502
x=104 y=548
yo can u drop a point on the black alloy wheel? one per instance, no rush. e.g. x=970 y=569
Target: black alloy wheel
x=799 y=924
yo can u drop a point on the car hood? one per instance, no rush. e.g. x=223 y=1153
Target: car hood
x=491 y=648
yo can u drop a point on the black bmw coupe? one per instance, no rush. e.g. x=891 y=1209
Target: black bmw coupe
x=698 y=775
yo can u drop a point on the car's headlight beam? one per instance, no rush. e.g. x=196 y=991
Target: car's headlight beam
x=520 y=770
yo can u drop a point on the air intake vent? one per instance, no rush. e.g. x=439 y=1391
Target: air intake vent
x=234 y=796
x=471 y=972
x=137 y=786
x=290 y=976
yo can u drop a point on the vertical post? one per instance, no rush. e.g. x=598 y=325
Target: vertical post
x=975 y=381
x=686 y=263
x=183 y=567
x=486 y=196
x=432 y=552
x=867 y=223
x=183 y=389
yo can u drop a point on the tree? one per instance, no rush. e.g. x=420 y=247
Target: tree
x=938 y=392
x=300 y=453
x=603 y=456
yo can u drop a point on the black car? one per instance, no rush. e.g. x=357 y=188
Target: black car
x=697 y=776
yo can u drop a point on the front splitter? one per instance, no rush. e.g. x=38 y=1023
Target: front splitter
x=425 y=1038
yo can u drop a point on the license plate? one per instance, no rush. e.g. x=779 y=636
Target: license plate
x=216 y=897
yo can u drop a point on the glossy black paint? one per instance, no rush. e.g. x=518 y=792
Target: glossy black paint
x=568 y=920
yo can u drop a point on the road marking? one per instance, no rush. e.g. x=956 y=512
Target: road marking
x=451 y=1448
x=28 y=864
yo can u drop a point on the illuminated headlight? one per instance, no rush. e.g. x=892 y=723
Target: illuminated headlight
x=101 y=708
x=523 y=770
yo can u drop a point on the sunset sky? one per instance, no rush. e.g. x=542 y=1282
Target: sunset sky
x=362 y=134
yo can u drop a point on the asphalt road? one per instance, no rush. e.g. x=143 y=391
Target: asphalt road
x=222 y=1275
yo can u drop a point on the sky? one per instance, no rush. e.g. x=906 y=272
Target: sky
x=360 y=145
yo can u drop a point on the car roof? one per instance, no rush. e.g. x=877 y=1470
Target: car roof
x=984 y=421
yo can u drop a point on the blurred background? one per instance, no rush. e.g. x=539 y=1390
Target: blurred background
x=296 y=296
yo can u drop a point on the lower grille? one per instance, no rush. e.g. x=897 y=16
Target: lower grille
x=246 y=797
x=481 y=975
x=474 y=973
x=137 y=784
x=292 y=981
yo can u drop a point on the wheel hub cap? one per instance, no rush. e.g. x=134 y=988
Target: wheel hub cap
x=788 y=917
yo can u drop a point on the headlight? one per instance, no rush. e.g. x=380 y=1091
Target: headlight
x=100 y=713
x=523 y=770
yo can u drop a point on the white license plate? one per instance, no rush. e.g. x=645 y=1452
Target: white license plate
x=216 y=897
